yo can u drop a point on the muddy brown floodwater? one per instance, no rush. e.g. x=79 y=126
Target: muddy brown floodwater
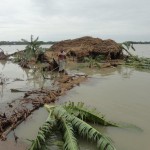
x=121 y=93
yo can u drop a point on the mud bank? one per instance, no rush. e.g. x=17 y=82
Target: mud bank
x=17 y=111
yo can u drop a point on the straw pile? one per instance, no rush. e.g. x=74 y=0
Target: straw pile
x=86 y=46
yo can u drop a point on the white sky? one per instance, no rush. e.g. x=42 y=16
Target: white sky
x=54 y=20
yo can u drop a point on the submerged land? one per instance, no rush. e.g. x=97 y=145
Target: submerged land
x=92 y=52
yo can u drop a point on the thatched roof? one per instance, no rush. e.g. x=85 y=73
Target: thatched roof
x=86 y=45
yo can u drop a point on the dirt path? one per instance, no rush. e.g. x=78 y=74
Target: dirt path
x=17 y=111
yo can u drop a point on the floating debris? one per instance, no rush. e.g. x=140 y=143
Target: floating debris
x=33 y=100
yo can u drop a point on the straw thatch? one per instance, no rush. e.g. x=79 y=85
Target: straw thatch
x=86 y=46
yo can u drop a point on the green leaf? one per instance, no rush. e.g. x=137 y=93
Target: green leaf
x=42 y=135
x=82 y=127
x=70 y=142
x=88 y=131
x=87 y=114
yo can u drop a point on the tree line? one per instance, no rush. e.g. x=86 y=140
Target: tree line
x=139 y=42
x=23 y=42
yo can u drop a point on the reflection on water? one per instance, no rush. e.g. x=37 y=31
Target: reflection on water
x=1 y=91
x=29 y=79
x=13 y=71
x=122 y=95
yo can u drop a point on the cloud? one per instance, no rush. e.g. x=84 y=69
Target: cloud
x=64 y=19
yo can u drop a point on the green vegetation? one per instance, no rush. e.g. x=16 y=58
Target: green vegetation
x=33 y=48
x=127 y=46
x=138 y=62
x=31 y=52
x=135 y=61
x=70 y=120
x=91 y=62
x=94 y=61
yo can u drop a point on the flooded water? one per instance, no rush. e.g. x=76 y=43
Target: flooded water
x=142 y=50
x=18 y=78
x=123 y=96
x=11 y=71
x=121 y=93
x=9 y=49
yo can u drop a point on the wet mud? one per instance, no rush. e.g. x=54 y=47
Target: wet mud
x=17 y=111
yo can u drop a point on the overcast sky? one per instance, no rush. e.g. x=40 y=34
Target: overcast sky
x=54 y=20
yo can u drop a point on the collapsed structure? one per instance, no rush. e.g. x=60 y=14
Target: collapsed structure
x=2 y=55
x=89 y=46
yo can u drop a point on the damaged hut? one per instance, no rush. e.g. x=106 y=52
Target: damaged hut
x=89 y=46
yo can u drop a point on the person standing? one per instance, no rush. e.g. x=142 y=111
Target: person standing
x=62 y=61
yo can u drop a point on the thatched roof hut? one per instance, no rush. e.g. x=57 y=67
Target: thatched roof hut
x=86 y=46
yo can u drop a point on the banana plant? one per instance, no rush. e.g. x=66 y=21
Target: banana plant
x=137 y=62
x=33 y=47
x=127 y=46
x=71 y=120
x=91 y=62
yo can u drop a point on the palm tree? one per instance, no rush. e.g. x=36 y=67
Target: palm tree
x=71 y=119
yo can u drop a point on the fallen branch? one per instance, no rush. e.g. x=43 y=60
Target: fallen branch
x=15 y=90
